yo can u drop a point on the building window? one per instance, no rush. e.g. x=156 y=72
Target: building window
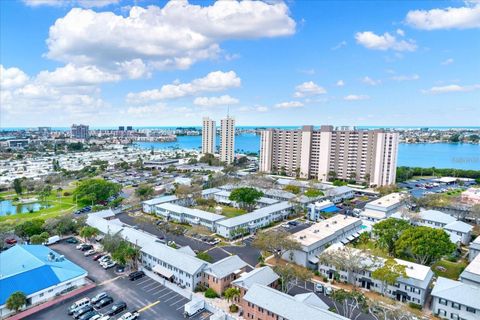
x=455 y=305
x=472 y=310
x=454 y=316
x=442 y=312
x=442 y=301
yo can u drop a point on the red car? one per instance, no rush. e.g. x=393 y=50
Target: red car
x=97 y=256
x=11 y=241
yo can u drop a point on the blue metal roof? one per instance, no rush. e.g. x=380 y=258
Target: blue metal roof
x=32 y=268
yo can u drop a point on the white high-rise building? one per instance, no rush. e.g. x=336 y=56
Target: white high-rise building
x=368 y=156
x=227 y=140
x=209 y=133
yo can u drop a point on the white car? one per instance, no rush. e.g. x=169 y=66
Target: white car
x=130 y=316
x=109 y=265
x=105 y=317
x=328 y=291
x=90 y=252
x=104 y=258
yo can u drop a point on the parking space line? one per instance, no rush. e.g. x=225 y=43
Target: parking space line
x=142 y=282
x=176 y=302
x=150 y=284
x=149 y=306
x=171 y=298
x=109 y=280
x=183 y=305
x=167 y=293
x=154 y=288
x=162 y=290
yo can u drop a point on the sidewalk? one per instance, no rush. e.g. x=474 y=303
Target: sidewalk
x=50 y=303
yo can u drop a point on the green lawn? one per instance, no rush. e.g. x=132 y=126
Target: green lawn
x=227 y=211
x=59 y=206
x=453 y=269
x=370 y=247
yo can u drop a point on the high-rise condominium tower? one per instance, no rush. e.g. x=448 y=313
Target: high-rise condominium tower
x=368 y=156
x=209 y=133
x=80 y=131
x=227 y=141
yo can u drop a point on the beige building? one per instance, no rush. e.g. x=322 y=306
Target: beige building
x=227 y=140
x=209 y=133
x=327 y=153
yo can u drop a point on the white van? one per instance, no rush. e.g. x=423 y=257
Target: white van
x=78 y=304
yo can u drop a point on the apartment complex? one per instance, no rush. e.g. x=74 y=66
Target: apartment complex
x=227 y=140
x=345 y=153
x=209 y=133
x=80 y=131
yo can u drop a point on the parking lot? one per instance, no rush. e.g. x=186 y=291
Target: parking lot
x=152 y=299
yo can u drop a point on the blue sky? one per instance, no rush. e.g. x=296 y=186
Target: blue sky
x=154 y=63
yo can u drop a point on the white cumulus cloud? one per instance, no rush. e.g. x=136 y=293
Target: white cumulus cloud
x=171 y=37
x=384 y=42
x=308 y=89
x=289 y=104
x=451 y=88
x=448 y=18
x=340 y=83
x=70 y=75
x=62 y=3
x=370 y=81
x=12 y=77
x=215 y=101
x=356 y=97
x=212 y=82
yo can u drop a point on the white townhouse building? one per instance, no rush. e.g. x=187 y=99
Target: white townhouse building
x=149 y=205
x=339 y=194
x=455 y=300
x=474 y=249
x=319 y=236
x=383 y=207
x=412 y=288
x=250 y=222
x=182 y=214
x=223 y=197
x=459 y=231
x=315 y=210
x=471 y=274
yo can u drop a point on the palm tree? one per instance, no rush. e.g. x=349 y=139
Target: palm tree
x=16 y=301
x=231 y=293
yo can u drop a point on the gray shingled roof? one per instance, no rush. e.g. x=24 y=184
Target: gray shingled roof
x=226 y=266
x=437 y=216
x=264 y=275
x=456 y=291
x=459 y=226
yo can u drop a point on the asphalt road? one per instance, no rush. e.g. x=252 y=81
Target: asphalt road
x=153 y=300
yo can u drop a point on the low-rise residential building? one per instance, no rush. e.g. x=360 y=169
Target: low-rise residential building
x=265 y=303
x=383 y=207
x=319 y=236
x=250 y=222
x=315 y=210
x=224 y=195
x=413 y=288
x=459 y=231
x=264 y=276
x=148 y=206
x=474 y=249
x=220 y=274
x=339 y=194
x=37 y=271
x=171 y=211
x=455 y=300
x=471 y=274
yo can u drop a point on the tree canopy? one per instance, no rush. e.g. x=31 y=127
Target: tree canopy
x=289 y=275
x=388 y=231
x=29 y=228
x=144 y=191
x=424 y=244
x=246 y=197
x=346 y=258
x=18 y=186
x=276 y=242
x=388 y=273
x=92 y=191
x=313 y=193
x=88 y=232
x=16 y=300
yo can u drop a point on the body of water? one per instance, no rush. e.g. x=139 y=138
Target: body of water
x=7 y=207
x=425 y=155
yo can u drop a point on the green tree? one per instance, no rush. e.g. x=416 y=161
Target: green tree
x=144 y=191
x=246 y=197
x=18 y=186
x=384 y=190
x=313 y=193
x=364 y=237
x=88 y=232
x=95 y=190
x=204 y=256
x=29 y=228
x=424 y=244
x=231 y=293
x=291 y=188
x=276 y=242
x=16 y=301
x=388 y=231
x=349 y=304
x=388 y=273
x=39 y=238
x=290 y=274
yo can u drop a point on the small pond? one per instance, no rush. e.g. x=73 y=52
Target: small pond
x=7 y=207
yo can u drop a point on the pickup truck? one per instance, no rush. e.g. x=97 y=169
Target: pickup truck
x=132 y=315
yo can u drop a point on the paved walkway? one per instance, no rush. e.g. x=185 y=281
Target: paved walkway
x=50 y=303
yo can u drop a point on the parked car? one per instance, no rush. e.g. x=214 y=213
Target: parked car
x=89 y=315
x=109 y=265
x=99 y=297
x=130 y=316
x=103 y=303
x=72 y=240
x=119 y=268
x=328 y=291
x=318 y=287
x=78 y=304
x=104 y=317
x=104 y=258
x=98 y=256
x=81 y=311
x=86 y=247
x=117 y=308
x=11 y=241
x=136 y=275
x=80 y=246
x=90 y=252
x=293 y=223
